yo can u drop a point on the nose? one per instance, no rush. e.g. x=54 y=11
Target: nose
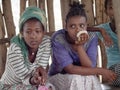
x=78 y=29
x=33 y=35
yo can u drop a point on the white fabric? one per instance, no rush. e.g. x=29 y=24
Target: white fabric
x=75 y=82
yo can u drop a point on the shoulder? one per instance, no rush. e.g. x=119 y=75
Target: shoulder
x=57 y=33
x=46 y=39
x=14 y=48
x=14 y=53
x=46 y=42
x=58 y=36
x=104 y=25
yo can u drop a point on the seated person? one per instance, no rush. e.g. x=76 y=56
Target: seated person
x=74 y=55
x=111 y=44
x=28 y=54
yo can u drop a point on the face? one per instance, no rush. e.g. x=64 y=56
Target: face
x=109 y=10
x=33 y=33
x=74 y=25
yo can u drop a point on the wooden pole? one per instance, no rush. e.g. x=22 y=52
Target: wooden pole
x=32 y=2
x=41 y=4
x=101 y=16
x=64 y=10
x=50 y=15
x=116 y=7
x=89 y=11
x=22 y=6
x=3 y=48
x=10 y=27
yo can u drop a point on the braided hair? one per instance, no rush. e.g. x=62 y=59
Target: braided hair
x=76 y=9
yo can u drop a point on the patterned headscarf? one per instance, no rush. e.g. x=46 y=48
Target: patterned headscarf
x=33 y=12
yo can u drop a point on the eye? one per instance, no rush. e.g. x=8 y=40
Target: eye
x=28 y=32
x=82 y=25
x=73 y=26
x=39 y=31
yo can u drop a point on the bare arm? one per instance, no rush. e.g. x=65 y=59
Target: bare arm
x=84 y=59
x=107 y=39
x=80 y=70
x=96 y=29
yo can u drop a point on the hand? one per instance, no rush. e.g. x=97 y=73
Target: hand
x=108 y=75
x=82 y=38
x=39 y=77
x=43 y=73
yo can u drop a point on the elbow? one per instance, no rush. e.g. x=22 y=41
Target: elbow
x=70 y=69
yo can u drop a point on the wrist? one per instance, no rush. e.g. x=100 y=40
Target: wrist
x=98 y=71
x=31 y=80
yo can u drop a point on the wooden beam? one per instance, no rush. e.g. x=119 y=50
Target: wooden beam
x=89 y=11
x=51 y=20
x=4 y=40
x=41 y=4
x=116 y=7
x=3 y=48
x=32 y=2
x=10 y=27
x=64 y=10
x=22 y=6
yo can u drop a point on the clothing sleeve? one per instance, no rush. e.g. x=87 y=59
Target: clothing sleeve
x=92 y=50
x=17 y=63
x=44 y=52
x=61 y=55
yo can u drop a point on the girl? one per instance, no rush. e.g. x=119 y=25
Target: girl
x=74 y=55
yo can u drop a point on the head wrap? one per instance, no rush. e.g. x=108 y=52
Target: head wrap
x=32 y=12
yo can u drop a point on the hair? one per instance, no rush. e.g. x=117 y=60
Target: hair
x=105 y=3
x=76 y=9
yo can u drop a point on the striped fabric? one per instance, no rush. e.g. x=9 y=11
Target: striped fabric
x=19 y=70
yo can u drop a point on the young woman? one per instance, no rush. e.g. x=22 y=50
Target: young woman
x=28 y=54
x=112 y=49
x=74 y=54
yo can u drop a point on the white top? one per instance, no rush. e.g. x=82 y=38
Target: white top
x=18 y=70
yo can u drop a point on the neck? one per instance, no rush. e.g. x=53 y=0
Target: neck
x=32 y=55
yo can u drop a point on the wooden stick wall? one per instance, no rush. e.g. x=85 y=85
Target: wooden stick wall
x=7 y=26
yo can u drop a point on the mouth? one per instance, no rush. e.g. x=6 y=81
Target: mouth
x=33 y=43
